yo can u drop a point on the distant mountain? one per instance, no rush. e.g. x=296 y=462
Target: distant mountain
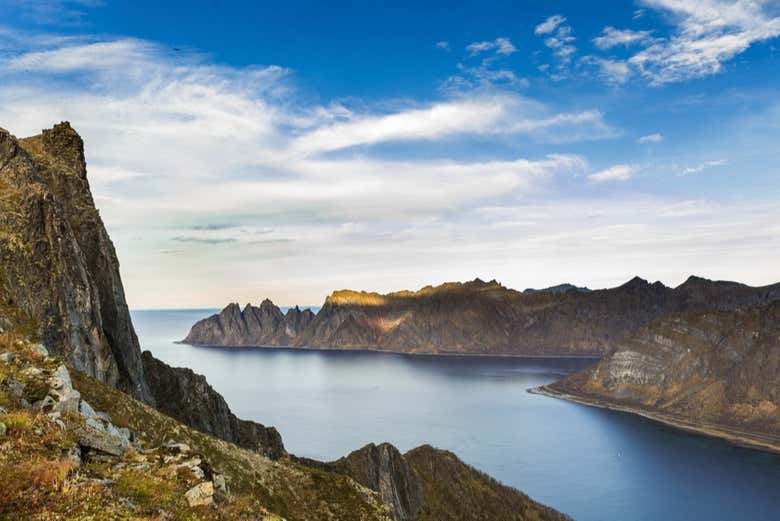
x=711 y=372
x=475 y=318
x=560 y=288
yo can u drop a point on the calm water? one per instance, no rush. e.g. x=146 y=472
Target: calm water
x=593 y=464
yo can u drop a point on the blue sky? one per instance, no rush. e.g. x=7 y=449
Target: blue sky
x=239 y=151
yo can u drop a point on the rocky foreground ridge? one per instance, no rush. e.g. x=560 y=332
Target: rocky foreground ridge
x=476 y=318
x=165 y=444
x=715 y=373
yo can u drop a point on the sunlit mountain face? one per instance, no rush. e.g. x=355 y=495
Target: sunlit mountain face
x=310 y=148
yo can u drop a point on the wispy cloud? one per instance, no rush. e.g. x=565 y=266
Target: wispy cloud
x=701 y=167
x=499 y=46
x=61 y=12
x=550 y=24
x=614 y=173
x=709 y=33
x=558 y=37
x=482 y=115
x=612 y=37
x=651 y=138
x=205 y=240
x=443 y=45
x=612 y=71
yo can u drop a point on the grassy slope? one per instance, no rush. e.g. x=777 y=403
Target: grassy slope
x=38 y=482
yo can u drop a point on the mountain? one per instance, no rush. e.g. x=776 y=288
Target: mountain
x=165 y=444
x=60 y=282
x=58 y=267
x=560 y=288
x=477 y=318
x=712 y=372
x=429 y=484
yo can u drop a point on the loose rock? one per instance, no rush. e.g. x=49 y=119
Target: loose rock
x=202 y=494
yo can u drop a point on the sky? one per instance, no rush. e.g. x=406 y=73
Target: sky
x=238 y=151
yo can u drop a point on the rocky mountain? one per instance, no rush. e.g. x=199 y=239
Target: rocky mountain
x=63 y=316
x=428 y=484
x=187 y=396
x=478 y=318
x=60 y=282
x=58 y=267
x=711 y=372
x=560 y=288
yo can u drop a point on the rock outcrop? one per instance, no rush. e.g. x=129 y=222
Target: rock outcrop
x=432 y=484
x=187 y=396
x=58 y=269
x=60 y=282
x=253 y=326
x=712 y=372
x=477 y=318
x=383 y=469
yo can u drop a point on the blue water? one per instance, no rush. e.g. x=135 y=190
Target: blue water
x=593 y=464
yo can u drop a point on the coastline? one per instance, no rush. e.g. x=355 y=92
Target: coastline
x=589 y=356
x=737 y=437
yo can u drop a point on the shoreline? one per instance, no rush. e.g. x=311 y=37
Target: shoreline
x=594 y=357
x=736 y=437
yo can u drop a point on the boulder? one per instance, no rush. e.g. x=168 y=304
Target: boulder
x=94 y=439
x=201 y=494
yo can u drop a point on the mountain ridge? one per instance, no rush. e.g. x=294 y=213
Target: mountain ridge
x=478 y=317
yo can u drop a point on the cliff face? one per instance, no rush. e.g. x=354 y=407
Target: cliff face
x=714 y=370
x=480 y=318
x=186 y=396
x=58 y=268
x=60 y=282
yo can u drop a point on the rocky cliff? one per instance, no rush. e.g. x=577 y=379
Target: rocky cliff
x=711 y=372
x=428 y=484
x=187 y=396
x=58 y=268
x=478 y=318
x=60 y=283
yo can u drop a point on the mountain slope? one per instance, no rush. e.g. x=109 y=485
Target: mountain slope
x=478 y=318
x=714 y=372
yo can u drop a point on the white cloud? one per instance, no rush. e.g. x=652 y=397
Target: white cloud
x=709 y=33
x=560 y=42
x=482 y=115
x=612 y=71
x=502 y=46
x=184 y=143
x=482 y=77
x=612 y=37
x=697 y=169
x=443 y=45
x=614 y=173
x=651 y=138
x=549 y=25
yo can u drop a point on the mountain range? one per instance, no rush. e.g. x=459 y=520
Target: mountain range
x=476 y=317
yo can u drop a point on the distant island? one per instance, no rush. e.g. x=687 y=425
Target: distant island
x=476 y=318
